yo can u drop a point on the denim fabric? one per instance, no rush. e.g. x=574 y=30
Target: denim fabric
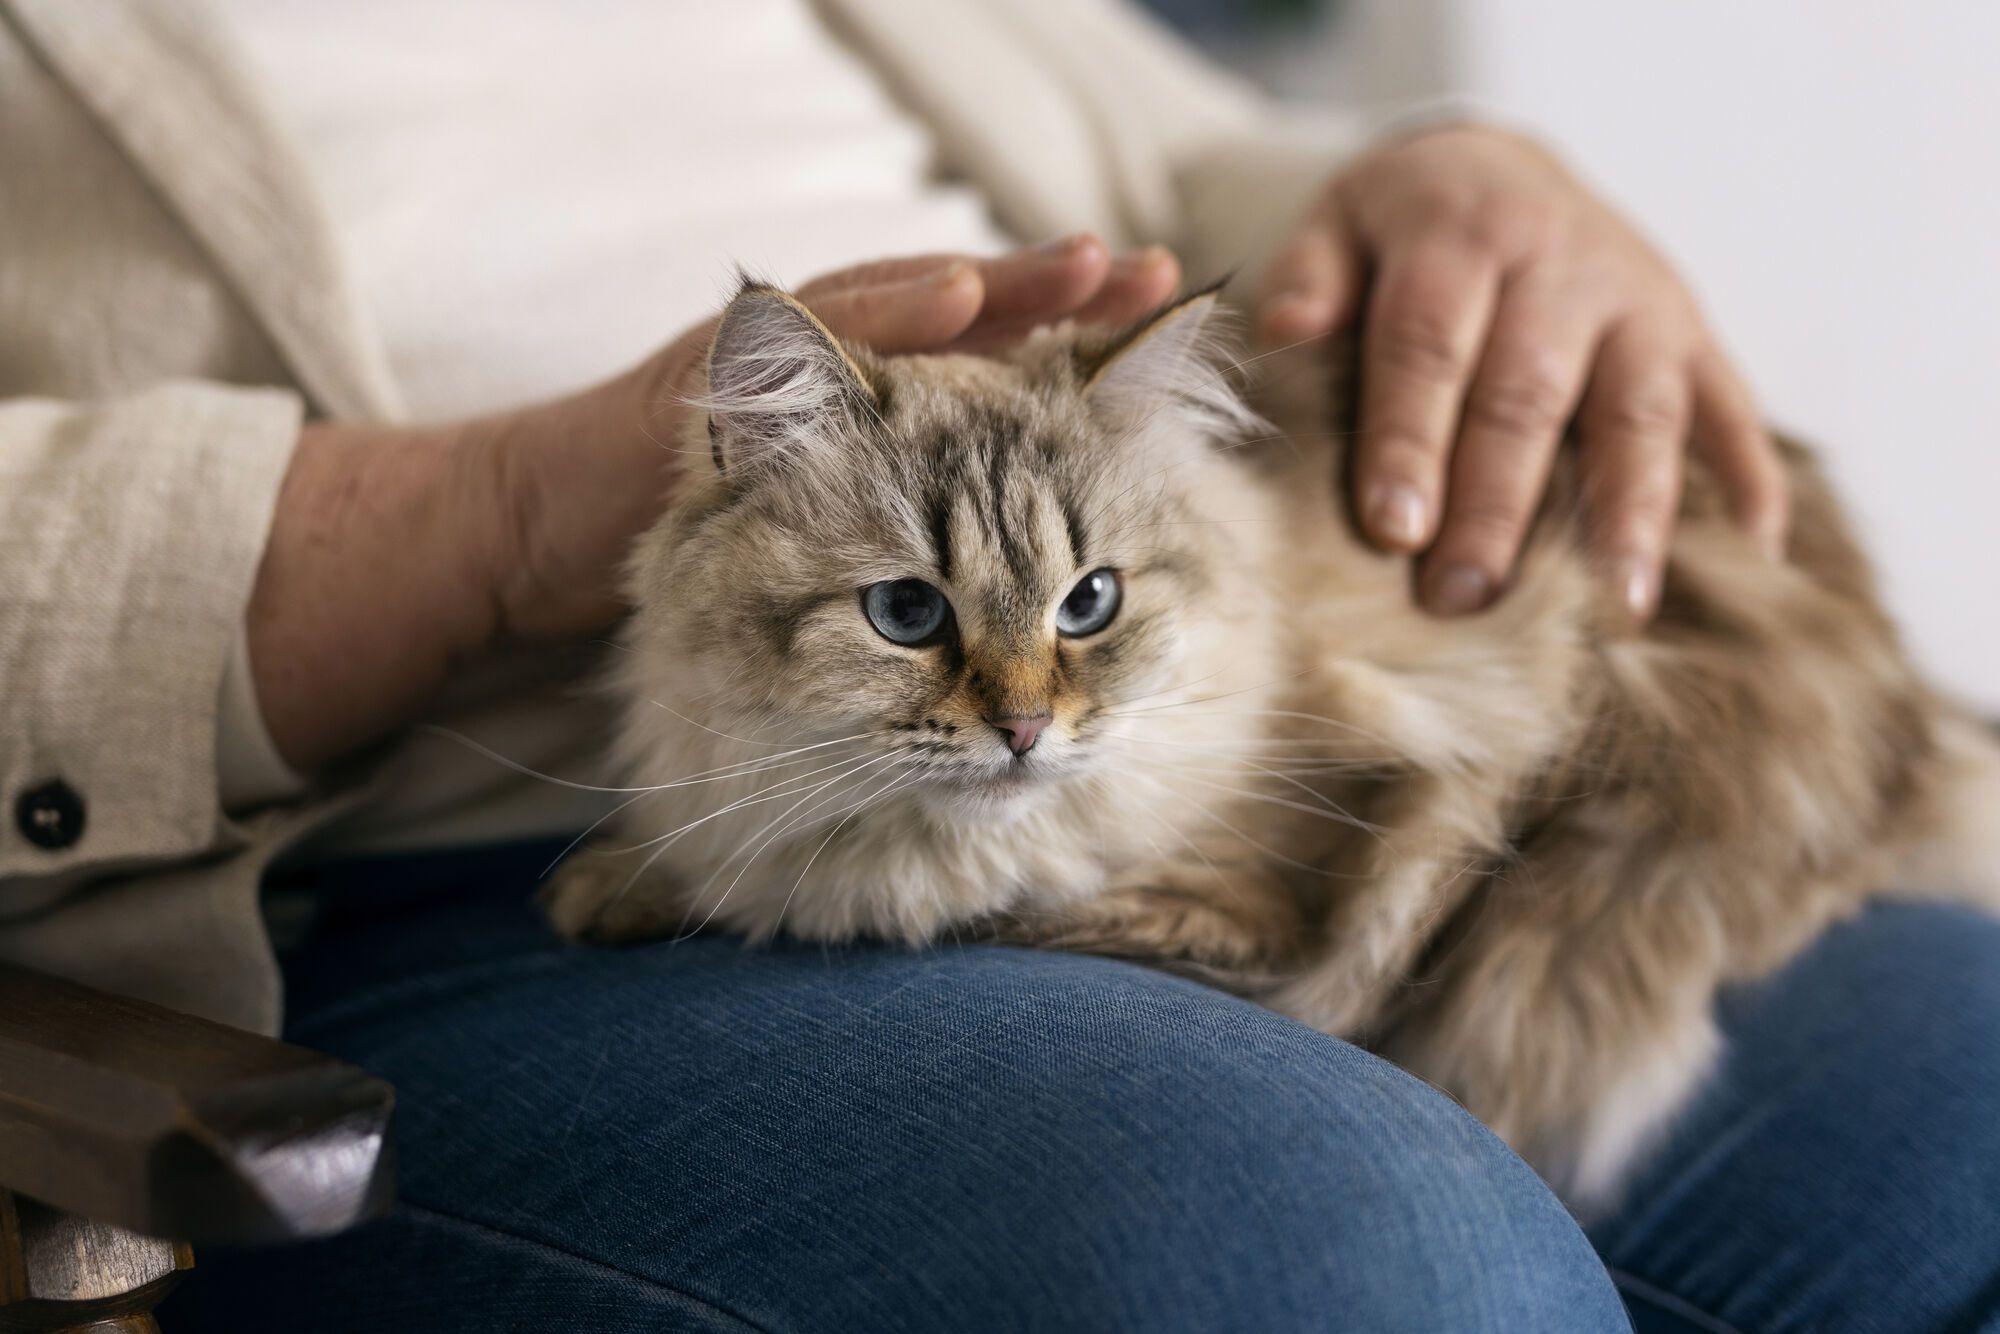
x=699 y=1136
x=1842 y=1171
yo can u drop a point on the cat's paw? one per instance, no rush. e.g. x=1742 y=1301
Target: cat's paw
x=1171 y=917
x=596 y=899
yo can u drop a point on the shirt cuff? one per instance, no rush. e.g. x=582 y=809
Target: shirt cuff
x=131 y=530
x=249 y=771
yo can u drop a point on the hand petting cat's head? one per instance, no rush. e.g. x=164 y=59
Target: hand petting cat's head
x=970 y=563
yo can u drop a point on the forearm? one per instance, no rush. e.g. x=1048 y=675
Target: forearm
x=372 y=587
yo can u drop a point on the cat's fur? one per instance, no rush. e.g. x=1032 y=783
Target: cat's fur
x=1516 y=852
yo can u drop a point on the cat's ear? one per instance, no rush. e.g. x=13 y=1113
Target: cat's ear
x=1171 y=361
x=778 y=382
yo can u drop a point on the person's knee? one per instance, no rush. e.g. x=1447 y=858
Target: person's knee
x=1212 y=1166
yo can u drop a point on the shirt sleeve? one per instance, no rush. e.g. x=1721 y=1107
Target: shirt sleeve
x=130 y=533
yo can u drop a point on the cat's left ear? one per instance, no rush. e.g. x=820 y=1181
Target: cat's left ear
x=1170 y=361
x=779 y=382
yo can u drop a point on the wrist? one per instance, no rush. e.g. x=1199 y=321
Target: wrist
x=369 y=593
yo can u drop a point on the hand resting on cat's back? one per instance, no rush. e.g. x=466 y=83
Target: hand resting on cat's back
x=1075 y=648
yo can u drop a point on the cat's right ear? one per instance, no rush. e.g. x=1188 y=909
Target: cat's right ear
x=779 y=382
x=1167 y=366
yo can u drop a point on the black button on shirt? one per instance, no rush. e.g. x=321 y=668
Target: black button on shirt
x=50 y=816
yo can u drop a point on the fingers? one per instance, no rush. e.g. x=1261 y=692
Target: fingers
x=878 y=273
x=1426 y=320
x=1135 y=285
x=1529 y=379
x=1633 y=428
x=911 y=314
x=1045 y=283
x=1312 y=286
x=1021 y=276
x=926 y=302
x=1731 y=436
x=1140 y=282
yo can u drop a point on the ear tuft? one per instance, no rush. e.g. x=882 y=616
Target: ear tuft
x=778 y=381
x=1172 y=360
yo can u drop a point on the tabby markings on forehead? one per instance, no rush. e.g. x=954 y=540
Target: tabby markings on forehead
x=1018 y=558
x=941 y=530
x=1073 y=524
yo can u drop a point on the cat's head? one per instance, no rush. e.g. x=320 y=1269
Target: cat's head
x=973 y=568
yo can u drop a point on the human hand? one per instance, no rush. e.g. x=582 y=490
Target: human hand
x=1502 y=299
x=581 y=479
x=396 y=554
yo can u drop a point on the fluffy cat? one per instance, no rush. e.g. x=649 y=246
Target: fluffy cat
x=1071 y=649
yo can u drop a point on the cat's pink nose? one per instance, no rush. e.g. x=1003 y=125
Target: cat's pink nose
x=1021 y=732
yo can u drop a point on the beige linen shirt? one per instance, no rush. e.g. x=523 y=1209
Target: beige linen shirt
x=172 y=307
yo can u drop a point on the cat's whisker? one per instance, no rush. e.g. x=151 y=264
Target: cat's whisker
x=748 y=741
x=791 y=826
x=707 y=775
x=489 y=753
x=1289 y=714
x=667 y=841
x=589 y=829
x=765 y=764
x=773 y=792
x=1332 y=751
x=1209 y=699
x=1336 y=814
x=1228 y=765
x=1154 y=694
x=1206 y=810
x=897 y=780
x=1236 y=762
x=1283 y=775
x=1292 y=757
x=844 y=769
x=791 y=822
x=1333 y=809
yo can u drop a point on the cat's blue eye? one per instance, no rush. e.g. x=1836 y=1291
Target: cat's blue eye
x=905 y=611
x=1090 y=605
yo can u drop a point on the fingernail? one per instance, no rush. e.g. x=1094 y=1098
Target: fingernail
x=1062 y=245
x=1636 y=584
x=1460 y=589
x=949 y=274
x=1396 y=514
x=1771 y=542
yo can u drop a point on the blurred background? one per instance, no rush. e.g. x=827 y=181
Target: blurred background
x=1827 y=174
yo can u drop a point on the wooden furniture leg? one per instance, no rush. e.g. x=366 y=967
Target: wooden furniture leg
x=60 y=1274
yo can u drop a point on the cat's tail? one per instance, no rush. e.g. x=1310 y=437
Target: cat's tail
x=1961 y=861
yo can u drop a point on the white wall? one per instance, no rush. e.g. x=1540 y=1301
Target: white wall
x=1828 y=173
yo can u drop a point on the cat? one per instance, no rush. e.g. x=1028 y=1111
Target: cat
x=1069 y=648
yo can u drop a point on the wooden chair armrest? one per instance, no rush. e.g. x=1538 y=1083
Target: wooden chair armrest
x=138 y=1116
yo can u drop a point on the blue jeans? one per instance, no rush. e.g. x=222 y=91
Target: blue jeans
x=703 y=1137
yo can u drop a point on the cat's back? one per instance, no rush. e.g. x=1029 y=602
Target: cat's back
x=1768 y=705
